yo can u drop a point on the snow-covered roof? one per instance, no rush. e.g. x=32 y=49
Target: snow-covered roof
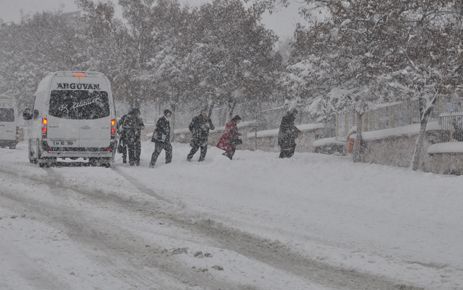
x=274 y=132
x=247 y=124
x=452 y=114
x=6 y=101
x=399 y=131
x=182 y=131
x=310 y=127
x=218 y=128
x=264 y=133
x=328 y=141
x=448 y=147
x=385 y=105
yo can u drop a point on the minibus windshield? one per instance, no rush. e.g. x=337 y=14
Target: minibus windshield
x=79 y=104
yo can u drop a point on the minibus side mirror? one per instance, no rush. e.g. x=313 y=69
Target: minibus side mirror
x=27 y=114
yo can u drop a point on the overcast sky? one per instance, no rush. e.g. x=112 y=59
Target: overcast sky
x=282 y=22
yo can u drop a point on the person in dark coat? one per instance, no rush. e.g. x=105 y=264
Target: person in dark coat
x=122 y=148
x=199 y=128
x=287 y=134
x=230 y=137
x=161 y=138
x=132 y=126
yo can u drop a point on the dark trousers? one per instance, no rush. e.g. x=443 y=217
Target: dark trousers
x=194 y=148
x=287 y=152
x=134 y=152
x=124 y=154
x=158 y=147
x=230 y=153
x=124 y=150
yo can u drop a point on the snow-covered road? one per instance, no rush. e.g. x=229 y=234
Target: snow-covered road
x=257 y=222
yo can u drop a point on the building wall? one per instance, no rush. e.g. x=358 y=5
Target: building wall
x=394 y=151
x=448 y=163
x=398 y=151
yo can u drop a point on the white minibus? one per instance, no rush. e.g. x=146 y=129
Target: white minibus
x=73 y=117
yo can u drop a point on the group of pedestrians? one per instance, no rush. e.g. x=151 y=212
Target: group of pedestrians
x=131 y=125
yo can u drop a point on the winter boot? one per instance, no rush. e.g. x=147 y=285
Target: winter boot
x=230 y=156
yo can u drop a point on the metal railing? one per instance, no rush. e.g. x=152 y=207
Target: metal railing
x=448 y=121
x=452 y=122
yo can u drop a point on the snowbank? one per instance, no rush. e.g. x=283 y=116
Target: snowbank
x=447 y=147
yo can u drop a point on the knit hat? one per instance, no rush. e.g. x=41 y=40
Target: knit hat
x=236 y=118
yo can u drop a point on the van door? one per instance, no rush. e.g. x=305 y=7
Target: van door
x=7 y=124
x=79 y=118
x=95 y=133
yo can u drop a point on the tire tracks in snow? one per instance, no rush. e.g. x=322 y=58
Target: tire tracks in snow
x=29 y=270
x=113 y=240
x=272 y=253
x=141 y=187
x=276 y=254
x=77 y=227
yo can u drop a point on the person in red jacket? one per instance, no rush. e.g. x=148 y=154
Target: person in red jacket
x=230 y=137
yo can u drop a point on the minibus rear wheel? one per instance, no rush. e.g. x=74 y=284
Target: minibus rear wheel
x=47 y=162
x=108 y=162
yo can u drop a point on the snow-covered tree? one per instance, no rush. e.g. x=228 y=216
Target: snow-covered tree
x=239 y=61
x=30 y=49
x=382 y=51
x=107 y=48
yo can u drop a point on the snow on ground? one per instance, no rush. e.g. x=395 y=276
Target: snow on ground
x=257 y=222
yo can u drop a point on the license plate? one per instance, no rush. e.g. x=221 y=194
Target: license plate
x=62 y=143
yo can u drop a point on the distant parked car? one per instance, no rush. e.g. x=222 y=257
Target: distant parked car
x=7 y=124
